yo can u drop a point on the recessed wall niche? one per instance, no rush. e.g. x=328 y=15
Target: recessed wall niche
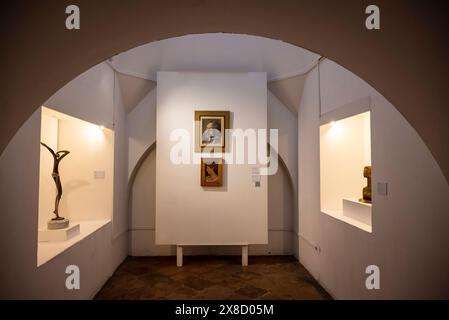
x=86 y=176
x=345 y=151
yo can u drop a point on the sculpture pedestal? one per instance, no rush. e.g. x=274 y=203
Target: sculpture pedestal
x=47 y=235
x=57 y=224
x=357 y=210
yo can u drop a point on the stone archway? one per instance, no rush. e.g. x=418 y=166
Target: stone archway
x=401 y=60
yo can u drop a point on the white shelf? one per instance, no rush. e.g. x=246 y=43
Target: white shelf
x=357 y=210
x=48 y=250
x=353 y=222
x=46 y=235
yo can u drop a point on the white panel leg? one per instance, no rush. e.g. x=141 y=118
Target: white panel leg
x=244 y=256
x=178 y=256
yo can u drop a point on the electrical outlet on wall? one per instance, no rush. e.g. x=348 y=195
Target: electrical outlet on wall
x=99 y=174
x=382 y=188
x=255 y=176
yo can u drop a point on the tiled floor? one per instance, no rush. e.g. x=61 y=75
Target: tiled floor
x=211 y=277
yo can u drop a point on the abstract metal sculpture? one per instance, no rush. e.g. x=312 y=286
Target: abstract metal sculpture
x=57 y=222
x=367 y=190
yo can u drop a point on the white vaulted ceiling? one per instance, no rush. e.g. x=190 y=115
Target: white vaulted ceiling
x=216 y=52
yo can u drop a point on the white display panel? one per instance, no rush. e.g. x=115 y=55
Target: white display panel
x=186 y=213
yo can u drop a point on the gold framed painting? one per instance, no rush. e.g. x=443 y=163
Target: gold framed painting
x=210 y=128
x=211 y=172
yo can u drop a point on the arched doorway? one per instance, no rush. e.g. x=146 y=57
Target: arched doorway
x=316 y=25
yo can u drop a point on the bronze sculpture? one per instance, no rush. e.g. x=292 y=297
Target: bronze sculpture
x=367 y=190
x=57 y=222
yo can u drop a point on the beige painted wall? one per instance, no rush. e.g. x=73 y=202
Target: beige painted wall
x=345 y=149
x=91 y=149
x=47 y=190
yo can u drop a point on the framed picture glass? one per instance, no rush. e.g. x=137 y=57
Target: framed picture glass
x=212 y=131
x=211 y=172
x=210 y=127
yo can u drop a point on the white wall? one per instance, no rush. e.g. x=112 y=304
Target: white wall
x=282 y=216
x=282 y=118
x=281 y=211
x=186 y=213
x=143 y=212
x=120 y=203
x=286 y=122
x=88 y=97
x=141 y=124
x=216 y=52
x=141 y=130
x=409 y=236
x=97 y=255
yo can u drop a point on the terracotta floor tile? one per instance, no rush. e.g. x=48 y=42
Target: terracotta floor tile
x=212 y=277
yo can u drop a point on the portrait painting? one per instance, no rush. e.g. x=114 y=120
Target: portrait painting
x=211 y=172
x=211 y=130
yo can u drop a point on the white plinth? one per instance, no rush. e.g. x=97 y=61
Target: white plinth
x=45 y=235
x=357 y=210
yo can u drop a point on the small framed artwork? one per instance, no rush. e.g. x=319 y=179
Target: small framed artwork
x=211 y=172
x=211 y=130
